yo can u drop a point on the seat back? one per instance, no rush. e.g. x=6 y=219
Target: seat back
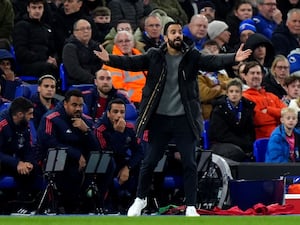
x=259 y=149
x=131 y=113
x=5 y=106
x=63 y=77
x=26 y=90
x=205 y=138
x=81 y=87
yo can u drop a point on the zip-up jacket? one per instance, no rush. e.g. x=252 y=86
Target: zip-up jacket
x=119 y=143
x=154 y=61
x=56 y=131
x=15 y=142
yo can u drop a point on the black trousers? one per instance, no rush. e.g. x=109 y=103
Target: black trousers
x=161 y=130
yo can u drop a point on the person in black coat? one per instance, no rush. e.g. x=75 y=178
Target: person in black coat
x=34 y=44
x=231 y=129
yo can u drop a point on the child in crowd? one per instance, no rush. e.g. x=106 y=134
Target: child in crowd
x=284 y=141
x=231 y=130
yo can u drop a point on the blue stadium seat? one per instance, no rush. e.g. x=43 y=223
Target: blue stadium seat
x=29 y=78
x=7 y=182
x=205 y=138
x=131 y=113
x=26 y=90
x=81 y=87
x=63 y=77
x=259 y=149
x=4 y=106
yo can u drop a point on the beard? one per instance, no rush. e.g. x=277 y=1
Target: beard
x=177 y=46
x=23 y=123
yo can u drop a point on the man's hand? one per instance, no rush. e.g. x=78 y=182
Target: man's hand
x=52 y=60
x=123 y=175
x=82 y=163
x=119 y=125
x=24 y=168
x=102 y=54
x=9 y=74
x=80 y=124
x=277 y=16
x=242 y=55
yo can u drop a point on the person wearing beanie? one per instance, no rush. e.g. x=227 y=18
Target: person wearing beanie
x=246 y=28
x=294 y=60
x=217 y=30
x=208 y=9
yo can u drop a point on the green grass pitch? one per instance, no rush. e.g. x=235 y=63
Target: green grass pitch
x=149 y=220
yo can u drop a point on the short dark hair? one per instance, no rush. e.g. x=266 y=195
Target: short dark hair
x=36 y=2
x=73 y=92
x=46 y=76
x=101 y=11
x=115 y=101
x=20 y=104
x=291 y=79
x=250 y=64
x=169 y=24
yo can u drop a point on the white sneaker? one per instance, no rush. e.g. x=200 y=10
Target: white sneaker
x=191 y=211
x=137 y=207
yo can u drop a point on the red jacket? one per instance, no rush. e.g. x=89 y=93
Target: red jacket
x=265 y=123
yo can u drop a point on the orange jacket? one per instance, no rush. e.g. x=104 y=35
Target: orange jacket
x=132 y=82
x=265 y=123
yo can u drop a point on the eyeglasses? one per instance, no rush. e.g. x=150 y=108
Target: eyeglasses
x=124 y=28
x=123 y=41
x=207 y=9
x=104 y=78
x=270 y=4
x=282 y=67
x=83 y=29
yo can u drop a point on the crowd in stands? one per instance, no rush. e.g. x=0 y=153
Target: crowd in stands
x=243 y=102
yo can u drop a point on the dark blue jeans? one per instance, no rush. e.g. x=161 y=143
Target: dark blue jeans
x=162 y=129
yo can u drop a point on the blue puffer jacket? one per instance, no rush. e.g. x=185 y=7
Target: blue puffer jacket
x=278 y=148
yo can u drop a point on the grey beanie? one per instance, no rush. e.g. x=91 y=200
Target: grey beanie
x=215 y=28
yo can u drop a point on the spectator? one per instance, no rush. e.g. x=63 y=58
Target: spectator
x=246 y=29
x=267 y=18
x=121 y=25
x=274 y=81
x=33 y=43
x=44 y=99
x=102 y=18
x=222 y=8
x=132 y=11
x=151 y=36
x=101 y=94
x=287 y=35
x=131 y=81
x=231 y=129
x=283 y=145
x=285 y=6
x=6 y=19
x=262 y=50
x=118 y=136
x=64 y=19
x=267 y=105
x=208 y=9
x=16 y=155
x=8 y=80
x=242 y=10
x=90 y=5
x=212 y=84
x=218 y=31
x=67 y=127
x=292 y=86
x=172 y=8
x=170 y=106
x=196 y=30
x=78 y=58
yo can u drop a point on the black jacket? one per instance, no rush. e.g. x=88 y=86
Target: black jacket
x=271 y=85
x=283 y=40
x=223 y=127
x=154 y=61
x=80 y=61
x=33 y=41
